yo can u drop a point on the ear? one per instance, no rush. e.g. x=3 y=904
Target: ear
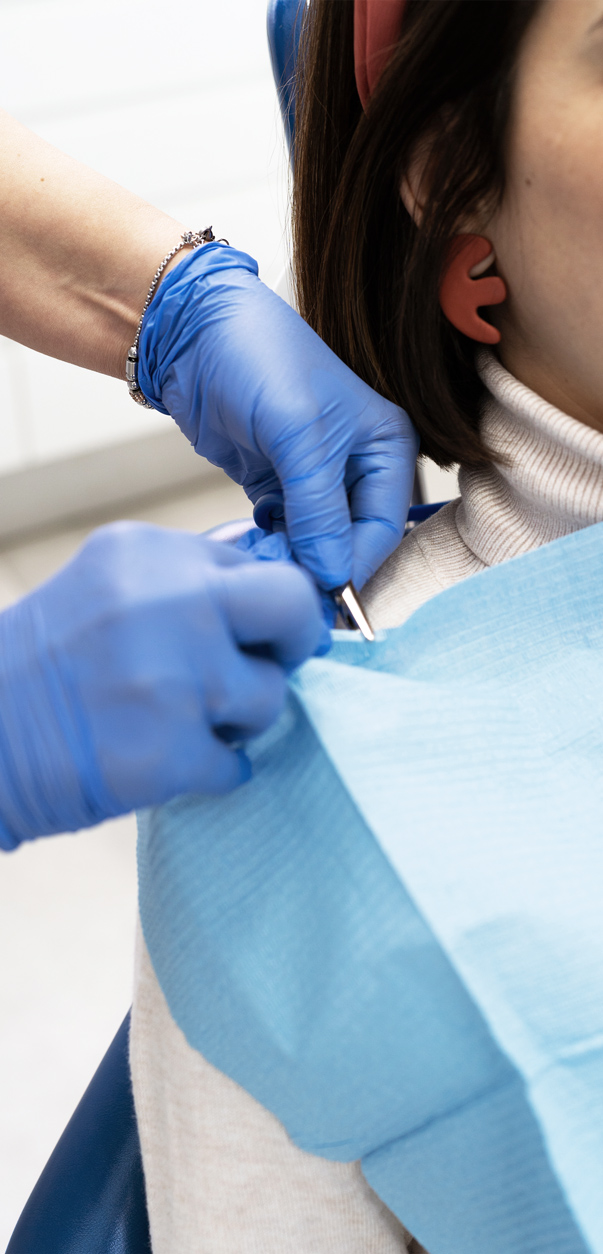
x=414 y=191
x=413 y=188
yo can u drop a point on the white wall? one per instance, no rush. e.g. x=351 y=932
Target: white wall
x=175 y=102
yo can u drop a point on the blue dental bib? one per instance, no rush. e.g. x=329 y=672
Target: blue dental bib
x=392 y=936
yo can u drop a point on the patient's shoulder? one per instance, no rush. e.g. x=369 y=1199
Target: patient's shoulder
x=431 y=557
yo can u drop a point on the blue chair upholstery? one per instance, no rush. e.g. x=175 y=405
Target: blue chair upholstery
x=90 y=1197
x=284 y=28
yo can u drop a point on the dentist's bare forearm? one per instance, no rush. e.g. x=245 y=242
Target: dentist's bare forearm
x=78 y=253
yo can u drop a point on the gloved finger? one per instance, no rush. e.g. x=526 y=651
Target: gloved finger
x=379 y=499
x=269 y=511
x=171 y=749
x=257 y=484
x=373 y=542
x=220 y=768
x=314 y=486
x=319 y=525
x=224 y=553
x=276 y=606
x=246 y=698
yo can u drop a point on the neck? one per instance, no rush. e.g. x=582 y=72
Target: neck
x=546 y=479
x=563 y=386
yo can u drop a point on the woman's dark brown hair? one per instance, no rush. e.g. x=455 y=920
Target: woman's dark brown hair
x=367 y=277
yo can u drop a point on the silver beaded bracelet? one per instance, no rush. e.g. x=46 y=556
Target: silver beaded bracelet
x=190 y=239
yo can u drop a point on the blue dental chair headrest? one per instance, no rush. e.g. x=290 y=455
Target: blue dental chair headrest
x=284 y=28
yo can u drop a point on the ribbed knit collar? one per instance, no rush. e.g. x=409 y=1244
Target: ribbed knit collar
x=549 y=484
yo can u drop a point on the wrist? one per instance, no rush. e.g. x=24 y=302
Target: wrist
x=189 y=240
x=44 y=786
x=147 y=247
x=181 y=315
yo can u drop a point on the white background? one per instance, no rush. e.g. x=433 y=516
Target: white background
x=175 y=102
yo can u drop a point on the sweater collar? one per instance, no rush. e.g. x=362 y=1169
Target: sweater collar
x=548 y=482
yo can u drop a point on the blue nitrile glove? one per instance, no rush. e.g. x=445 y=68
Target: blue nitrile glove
x=258 y=393
x=273 y=546
x=130 y=676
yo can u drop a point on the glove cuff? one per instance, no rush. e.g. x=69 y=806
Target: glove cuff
x=41 y=789
x=164 y=329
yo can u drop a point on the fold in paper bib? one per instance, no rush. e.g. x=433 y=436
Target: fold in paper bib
x=392 y=936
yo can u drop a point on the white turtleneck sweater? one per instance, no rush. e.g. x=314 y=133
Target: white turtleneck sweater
x=222 y=1176
x=546 y=481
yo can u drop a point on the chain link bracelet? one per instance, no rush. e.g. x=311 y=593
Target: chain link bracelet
x=190 y=239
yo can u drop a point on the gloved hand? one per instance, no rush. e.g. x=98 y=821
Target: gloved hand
x=258 y=393
x=126 y=678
